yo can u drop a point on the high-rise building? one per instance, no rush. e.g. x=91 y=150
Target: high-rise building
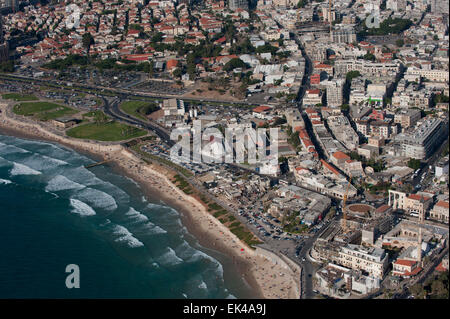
x=335 y=89
x=423 y=140
x=344 y=35
x=238 y=4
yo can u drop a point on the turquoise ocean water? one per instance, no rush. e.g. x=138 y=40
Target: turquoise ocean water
x=55 y=212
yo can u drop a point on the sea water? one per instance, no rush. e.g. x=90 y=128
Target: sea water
x=55 y=212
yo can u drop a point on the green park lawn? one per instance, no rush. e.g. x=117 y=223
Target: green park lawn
x=29 y=109
x=19 y=97
x=132 y=107
x=63 y=111
x=110 y=131
x=43 y=111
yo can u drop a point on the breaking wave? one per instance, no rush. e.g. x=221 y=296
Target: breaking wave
x=21 y=169
x=96 y=198
x=5 y=181
x=169 y=258
x=123 y=235
x=60 y=183
x=80 y=208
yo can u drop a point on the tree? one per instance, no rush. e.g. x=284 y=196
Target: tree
x=233 y=64
x=151 y=68
x=7 y=66
x=177 y=73
x=100 y=118
x=139 y=50
x=301 y=4
x=351 y=75
x=416 y=290
x=414 y=163
x=88 y=41
x=370 y=57
x=400 y=42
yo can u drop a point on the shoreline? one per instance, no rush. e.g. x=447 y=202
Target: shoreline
x=266 y=278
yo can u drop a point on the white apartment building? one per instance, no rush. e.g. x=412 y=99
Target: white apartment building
x=423 y=140
x=335 y=92
x=432 y=75
x=373 y=260
x=341 y=67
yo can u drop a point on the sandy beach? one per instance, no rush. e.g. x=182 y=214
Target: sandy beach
x=270 y=277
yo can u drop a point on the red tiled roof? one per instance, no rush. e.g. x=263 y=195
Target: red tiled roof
x=405 y=262
x=340 y=155
x=331 y=168
x=414 y=272
x=172 y=63
x=307 y=143
x=323 y=66
x=441 y=267
x=261 y=108
x=418 y=197
x=442 y=204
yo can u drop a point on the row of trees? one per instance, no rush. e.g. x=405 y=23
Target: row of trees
x=388 y=26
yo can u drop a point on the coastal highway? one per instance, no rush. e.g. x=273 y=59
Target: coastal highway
x=112 y=109
x=106 y=91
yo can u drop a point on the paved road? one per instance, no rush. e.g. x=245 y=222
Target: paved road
x=122 y=93
x=430 y=161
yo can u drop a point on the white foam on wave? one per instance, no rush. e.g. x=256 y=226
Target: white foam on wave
x=169 y=258
x=145 y=224
x=96 y=198
x=135 y=215
x=152 y=205
x=110 y=188
x=10 y=149
x=81 y=208
x=42 y=162
x=21 y=169
x=60 y=183
x=124 y=235
x=198 y=255
x=85 y=177
x=5 y=181
x=82 y=175
x=203 y=285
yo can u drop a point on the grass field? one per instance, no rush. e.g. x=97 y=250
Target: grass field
x=29 y=109
x=63 y=111
x=43 y=111
x=131 y=108
x=92 y=114
x=110 y=131
x=19 y=97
